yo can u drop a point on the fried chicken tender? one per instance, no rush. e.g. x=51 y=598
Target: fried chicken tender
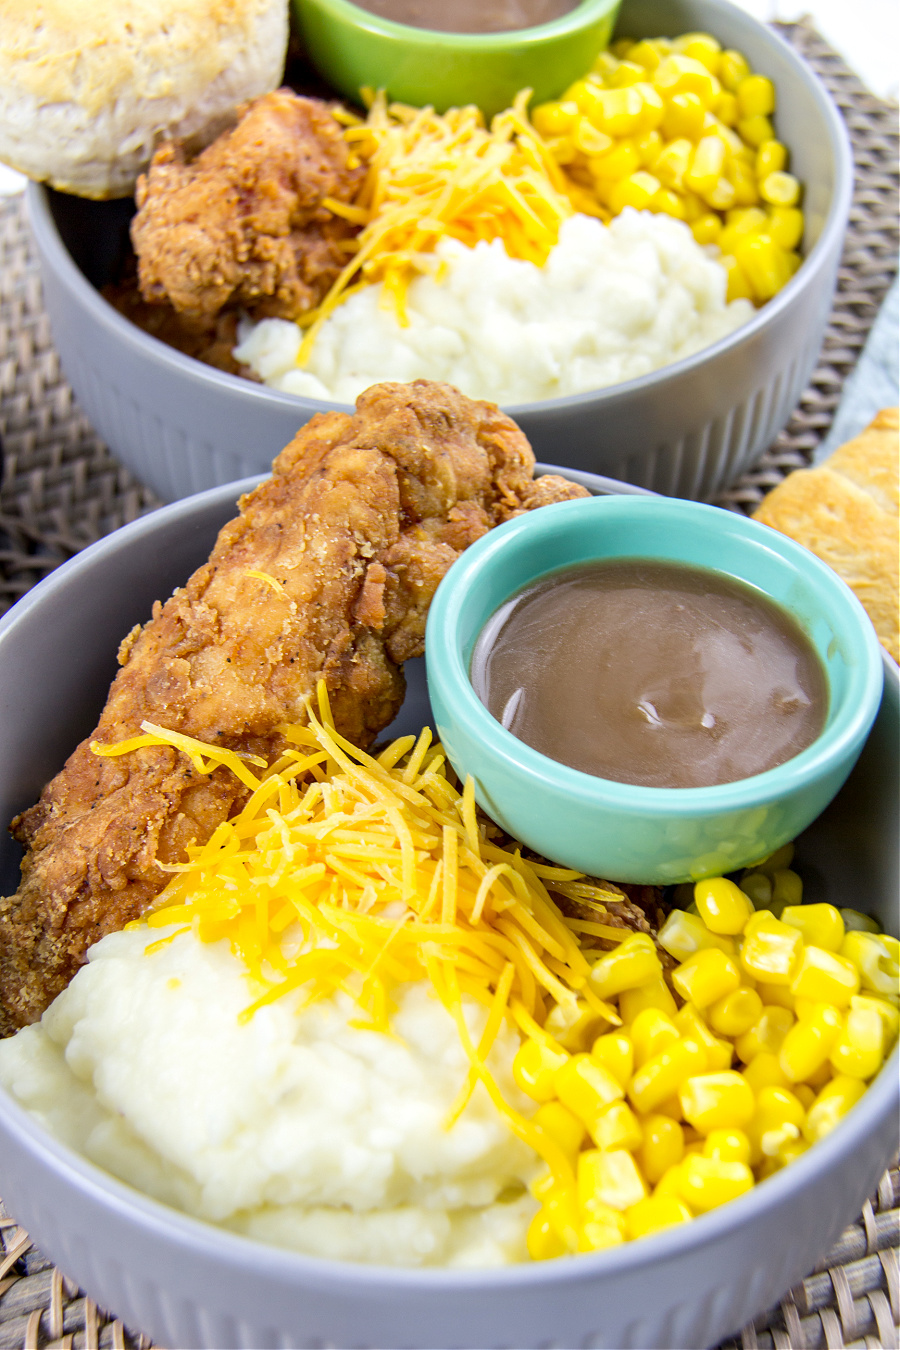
x=327 y=573
x=243 y=224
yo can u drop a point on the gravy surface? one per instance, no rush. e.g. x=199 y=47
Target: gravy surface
x=470 y=16
x=651 y=673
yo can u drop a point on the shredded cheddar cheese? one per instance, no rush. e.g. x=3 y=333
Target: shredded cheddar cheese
x=432 y=175
x=346 y=871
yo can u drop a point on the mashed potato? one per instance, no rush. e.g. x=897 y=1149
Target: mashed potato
x=299 y=1129
x=612 y=303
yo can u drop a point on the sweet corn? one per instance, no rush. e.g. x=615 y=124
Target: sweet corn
x=648 y=147
x=736 y=1012
x=556 y=118
x=755 y=130
x=702 y=47
x=859 y=1050
x=617 y=1127
x=690 y=1023
x=575 y=1025
x=616 y=1053
x=713 y=1101
x=856 y=922
x=767 y=268
x=684 y=115
x=589 y=140
x=707 y=229
x=779 y=994
x=653 y=110
x=632 y=963
x=654 y=1214
x=890 y=1016
x=820 y=925
x=831 y=1105
x=733 y=69
x=561 y=1124
x=723 y=906
x=766 y=1034
x=544 y=1243
x=786 y=226
x=673 y=162
x=663 y=1075
x=765 y=1070
x=875 y=957
x=777 y=1121
x=661 y=1147
x=722 y=196
x=756 y=95
x=683 y=934
x=726 y=109
x=627 y=72
x=756 y=885
x=645 y=54
x=677 y=74
x=771 y=157
x=597 y=1234
x=608 y=1178
x=727 y=1145
x=668 y=202
x=534 y=1068
x=773 y=862
x=780 y=189
x=826 y=976
x=809 y=1043
x=559 y=1205
x=705 y=1183
x=637 y=190
x=743 y=181
x=706 y=976
x=654 y=994
x=586 y=1088
x=770 y=950
x=650 y=1032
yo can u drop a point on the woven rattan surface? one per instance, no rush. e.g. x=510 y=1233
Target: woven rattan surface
x=62 y=489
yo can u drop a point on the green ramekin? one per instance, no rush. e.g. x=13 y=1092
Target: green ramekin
x=618 y=830
x=352 y=49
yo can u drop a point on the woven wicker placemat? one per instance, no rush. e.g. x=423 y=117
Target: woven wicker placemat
x=62 y=489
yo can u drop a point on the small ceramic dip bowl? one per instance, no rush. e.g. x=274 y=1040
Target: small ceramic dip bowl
x=353 y=48
x=619 y=830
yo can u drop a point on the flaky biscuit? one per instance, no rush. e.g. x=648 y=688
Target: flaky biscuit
x=870 y=460
x=87 y=87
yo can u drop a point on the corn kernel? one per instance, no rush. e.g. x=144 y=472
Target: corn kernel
x=595 y=1235
x=690 y=1023
x=825 y=976
x=875 y=957
x=743 y=180
x=654 y=1214
x=765 y=1070
x=767 y=1033
x=560 y=1123
x=780 y=189
x=733 y=68
x=819 y=1077
x=668 y=202
x=779 y=994
x=707 y=229
x=586 y=1088
x=727 y=1145
x=682 y=75
x=854 y=921
x=555 y=118
x=617 y=1127
x=654 y=994
x=741 y=221
x=859 y=1050
x=588 y=140
x=713 y=1101
x=616 y=1053
x=534 y=1067
x=756 y=95
x=777 y=1121
x=618 y=111
x=608 y=1179
x=771 y=157
x=684 y=115
x=737 y=286
x=706 y=976
x=645 y=54
x=653 y=109
x=820 y=925
x=670 y=1182
x=809 y=1043
x=574 y=1025
x=767 y=267
x=648 y=147
x=723 y=906
x=770 y=950
x=662 y=1146
x=664 y=1073
x=621 y=47
x=544 y=1243
x=560 y=1207
x=889 y=1015
x=705 y=1183
x=773 y=862
x=637 y=190
x=650 y=1032
x=626 y=73
x=805 y=1094
x=786 y=228
x=702 y=47
x=684 y=934
x=736 y=1012
x=756 y=885
x=831 y=1105
x=755 y=130
x=673 y=162
x=632 y=963
x=725 y=107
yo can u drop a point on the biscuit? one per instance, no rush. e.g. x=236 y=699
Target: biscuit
x=88 y=87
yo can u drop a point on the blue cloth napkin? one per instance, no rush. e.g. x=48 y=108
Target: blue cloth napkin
x=873 y=384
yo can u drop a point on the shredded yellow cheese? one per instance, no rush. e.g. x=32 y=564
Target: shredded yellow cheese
x=430 y=176
x=347 y=871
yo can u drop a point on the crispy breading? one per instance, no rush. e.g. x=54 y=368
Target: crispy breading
x=243 y=223
x=352 y=534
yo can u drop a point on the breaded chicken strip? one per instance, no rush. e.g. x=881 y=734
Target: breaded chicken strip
x=244 y=223
x=361 y=519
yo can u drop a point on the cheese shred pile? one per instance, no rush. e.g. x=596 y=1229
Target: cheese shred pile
x=431 y=175
x=346 y=871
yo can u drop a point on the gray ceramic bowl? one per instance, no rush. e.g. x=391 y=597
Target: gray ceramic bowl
x=188 y=1284
x=686 y=430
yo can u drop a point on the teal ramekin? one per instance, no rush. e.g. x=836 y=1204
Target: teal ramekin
x=353 y=49
x=618 y=830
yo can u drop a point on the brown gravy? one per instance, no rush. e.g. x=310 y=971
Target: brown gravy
x=652 y=673
x=470 y=16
